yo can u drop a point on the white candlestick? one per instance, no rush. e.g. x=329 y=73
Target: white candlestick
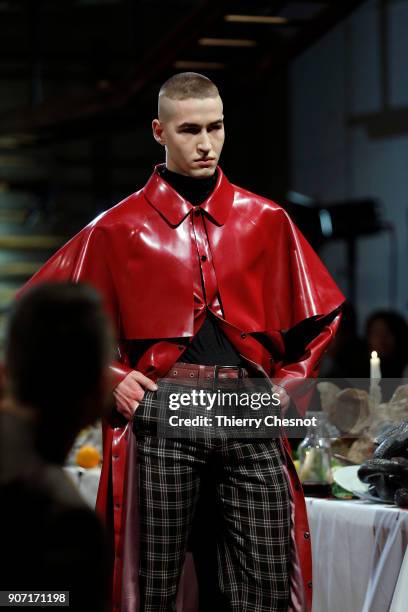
x=375 y=377
x=375 y=370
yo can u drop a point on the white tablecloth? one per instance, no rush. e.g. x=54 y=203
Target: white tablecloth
x=86 y=480
x=359 y=556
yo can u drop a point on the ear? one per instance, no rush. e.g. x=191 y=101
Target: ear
x=158 y=132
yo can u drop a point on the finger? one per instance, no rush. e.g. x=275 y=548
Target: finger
x=146 y=382
x=283 y=394
x=134 y=409
x=123 y=405
x=130 y=412
x=133 y=391
x=279 y=391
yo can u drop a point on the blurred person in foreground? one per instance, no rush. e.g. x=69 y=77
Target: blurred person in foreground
x=203 y=280
x=57 y=351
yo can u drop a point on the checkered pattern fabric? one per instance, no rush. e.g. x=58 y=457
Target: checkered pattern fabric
x=253 y=546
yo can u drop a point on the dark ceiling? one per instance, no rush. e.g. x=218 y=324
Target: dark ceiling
x=78 y=84
x=83 y=60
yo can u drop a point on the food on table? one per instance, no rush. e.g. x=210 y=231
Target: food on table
x=88 y=457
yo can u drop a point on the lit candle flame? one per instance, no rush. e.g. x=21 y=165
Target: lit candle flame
x=374 y=355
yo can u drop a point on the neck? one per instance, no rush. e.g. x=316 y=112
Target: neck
x=195 y=190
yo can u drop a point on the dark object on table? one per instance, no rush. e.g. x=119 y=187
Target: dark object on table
x=401 y=498
x=387 y=479
x=393 y=442
x=387 y=472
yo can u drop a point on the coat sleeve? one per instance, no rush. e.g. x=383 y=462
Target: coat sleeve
x=304 y=347
x=85 y=259
x=312 y=316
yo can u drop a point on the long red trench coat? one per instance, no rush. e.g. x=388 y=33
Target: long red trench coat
x=140 y=256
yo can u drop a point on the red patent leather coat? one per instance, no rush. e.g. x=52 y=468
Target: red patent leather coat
x=139 y=255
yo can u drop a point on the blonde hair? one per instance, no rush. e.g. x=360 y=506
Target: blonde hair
x=188 y=85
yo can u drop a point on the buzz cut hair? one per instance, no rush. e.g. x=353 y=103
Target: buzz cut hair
x=188 y=85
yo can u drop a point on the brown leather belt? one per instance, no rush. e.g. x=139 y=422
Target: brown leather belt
x=193 y=371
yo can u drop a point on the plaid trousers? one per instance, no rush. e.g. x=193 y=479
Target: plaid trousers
x=252 y=553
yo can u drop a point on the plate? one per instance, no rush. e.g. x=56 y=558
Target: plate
x=347 y=478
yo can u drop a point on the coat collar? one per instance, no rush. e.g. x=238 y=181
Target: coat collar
x=174 y=208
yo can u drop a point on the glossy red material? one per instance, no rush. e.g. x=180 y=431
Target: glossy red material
x=146 y=256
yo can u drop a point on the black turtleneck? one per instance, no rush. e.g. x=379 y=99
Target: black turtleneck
x=210 y=346
x=195 y=190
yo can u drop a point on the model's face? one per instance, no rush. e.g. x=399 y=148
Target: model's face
x=192 y=132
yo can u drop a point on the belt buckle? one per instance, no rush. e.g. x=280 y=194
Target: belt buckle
x=217 y=369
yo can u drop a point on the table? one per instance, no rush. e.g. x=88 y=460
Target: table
x=87 y=481
x=360 y=559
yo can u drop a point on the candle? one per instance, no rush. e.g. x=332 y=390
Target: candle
x=375 y=370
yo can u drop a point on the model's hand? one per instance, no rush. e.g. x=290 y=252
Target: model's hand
x=283 y=397
x=129 y=393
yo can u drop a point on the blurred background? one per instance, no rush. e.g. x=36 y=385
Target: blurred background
x=316 y=113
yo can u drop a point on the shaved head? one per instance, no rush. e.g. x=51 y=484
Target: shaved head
x=190 y=124
x=183 y=86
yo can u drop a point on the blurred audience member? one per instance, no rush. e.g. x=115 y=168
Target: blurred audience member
x=58 y=348
x=387 y=333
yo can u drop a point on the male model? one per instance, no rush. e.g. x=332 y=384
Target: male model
x=204 y=281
